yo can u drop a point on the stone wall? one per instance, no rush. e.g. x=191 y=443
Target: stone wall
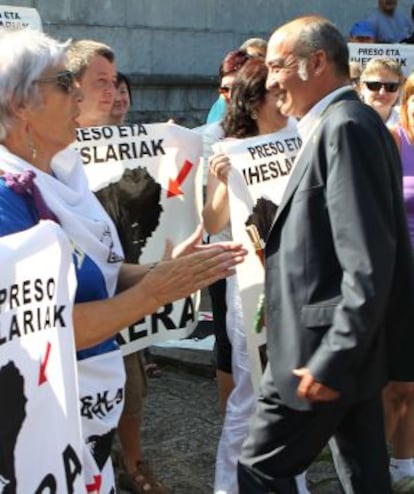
x=172 y=48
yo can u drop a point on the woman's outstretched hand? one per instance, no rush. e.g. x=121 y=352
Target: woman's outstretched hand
x=190 y=267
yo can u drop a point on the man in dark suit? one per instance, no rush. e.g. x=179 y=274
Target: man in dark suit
x=338 y=269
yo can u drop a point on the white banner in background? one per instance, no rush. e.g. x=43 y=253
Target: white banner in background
x=12 y=17
x=40 y=430
x=261 y=167
x=149 y=179
x=402 y=53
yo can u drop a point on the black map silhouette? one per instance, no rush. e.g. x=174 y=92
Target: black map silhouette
x=12 y=415
x=100 y=447
x=262 y=216
x=133 y=203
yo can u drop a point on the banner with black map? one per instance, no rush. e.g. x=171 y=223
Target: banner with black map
x=148 y=177
x=40 y=435
x=261 y=167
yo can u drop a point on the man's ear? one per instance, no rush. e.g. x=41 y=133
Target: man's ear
x=318 y=62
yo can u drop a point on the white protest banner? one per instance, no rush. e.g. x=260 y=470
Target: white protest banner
x=261 y=167
x=149 y=179
x=402 y=53
x=12 y=17
x=40 y=430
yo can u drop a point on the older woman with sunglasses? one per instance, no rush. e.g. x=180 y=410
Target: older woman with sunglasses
x=379 y=88
x=42 y=178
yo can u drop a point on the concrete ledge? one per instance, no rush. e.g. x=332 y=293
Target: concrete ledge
x=199 y=362
x=180 y=80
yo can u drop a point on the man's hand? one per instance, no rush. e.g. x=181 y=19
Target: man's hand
x=309 y=389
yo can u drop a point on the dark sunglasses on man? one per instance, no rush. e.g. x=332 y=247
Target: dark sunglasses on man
x=390 y=87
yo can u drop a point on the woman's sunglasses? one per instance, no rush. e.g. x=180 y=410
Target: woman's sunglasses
x=64 y=80
x=390 y=87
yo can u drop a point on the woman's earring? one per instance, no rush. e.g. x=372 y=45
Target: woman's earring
x=30 y=144
x=254 y=115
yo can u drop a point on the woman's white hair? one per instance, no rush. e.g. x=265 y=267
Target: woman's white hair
x=24 y=55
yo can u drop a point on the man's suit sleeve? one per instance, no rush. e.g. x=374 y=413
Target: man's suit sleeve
x=359 y=200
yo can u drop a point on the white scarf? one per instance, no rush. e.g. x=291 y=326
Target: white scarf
x=66 y=192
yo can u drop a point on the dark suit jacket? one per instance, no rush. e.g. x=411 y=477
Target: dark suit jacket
x=339 y=275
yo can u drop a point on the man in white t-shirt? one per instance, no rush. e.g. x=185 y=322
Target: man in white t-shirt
x=94 y=66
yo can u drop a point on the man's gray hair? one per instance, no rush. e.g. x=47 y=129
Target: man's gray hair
x=25 y=54
x=80 y=53
x=321 y=34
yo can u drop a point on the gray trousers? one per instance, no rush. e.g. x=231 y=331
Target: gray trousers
x=283 y=442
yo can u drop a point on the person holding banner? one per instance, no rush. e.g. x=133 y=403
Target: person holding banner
x=399 y=411
x=122 y=101
x=135 y=473
x=231 y=64
x=251 y=112
x=379 y=87
x=100 y=80
x=339 y=278
x=43 y=177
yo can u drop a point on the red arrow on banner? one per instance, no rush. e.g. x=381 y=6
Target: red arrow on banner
x=96 y=486
x=43 y=365
x=174 y=188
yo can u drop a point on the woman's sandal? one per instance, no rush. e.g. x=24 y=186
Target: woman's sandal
x=141 y=481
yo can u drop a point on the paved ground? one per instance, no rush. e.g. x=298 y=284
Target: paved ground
x=182 y=421
x=182 y=426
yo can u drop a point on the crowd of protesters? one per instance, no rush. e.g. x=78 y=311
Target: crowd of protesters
x=338 y=256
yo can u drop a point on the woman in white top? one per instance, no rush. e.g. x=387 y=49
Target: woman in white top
x=252 y=111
